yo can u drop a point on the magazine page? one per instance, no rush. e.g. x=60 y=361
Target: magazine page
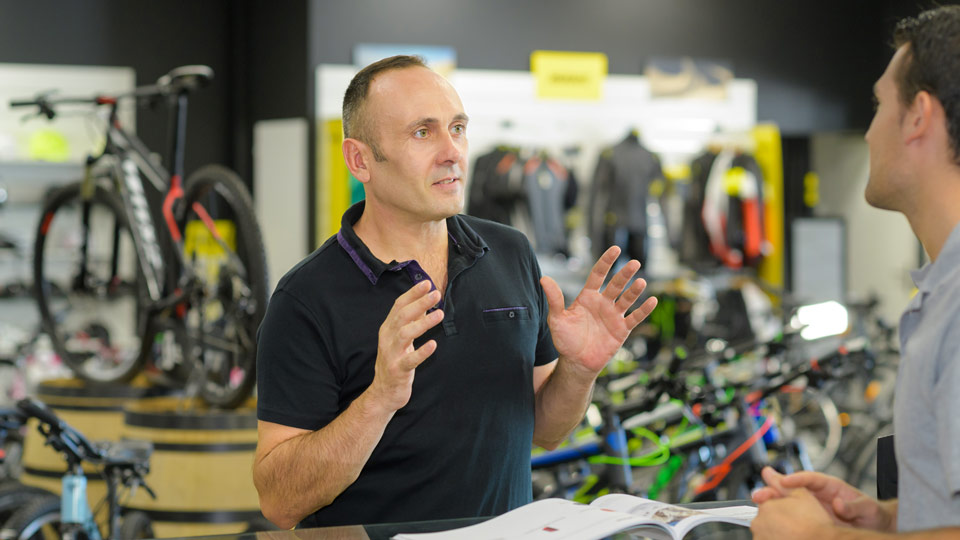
x=676 y=518
x=553 y=519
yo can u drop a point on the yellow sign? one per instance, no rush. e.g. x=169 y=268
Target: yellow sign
x=569 y=75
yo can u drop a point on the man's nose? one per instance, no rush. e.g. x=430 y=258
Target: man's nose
x=453 y=148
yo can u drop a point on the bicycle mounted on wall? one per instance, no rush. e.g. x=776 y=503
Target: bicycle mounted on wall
x=120 y=284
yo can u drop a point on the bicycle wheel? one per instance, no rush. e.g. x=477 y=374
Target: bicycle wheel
x=89 y=287
x=38 y=519
x=14 y=495
x=812 y=417
x=224 y=248
x=136 y=525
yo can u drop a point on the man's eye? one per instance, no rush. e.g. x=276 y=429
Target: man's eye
x=459 y=129
x=420 y=133
x=876 y=103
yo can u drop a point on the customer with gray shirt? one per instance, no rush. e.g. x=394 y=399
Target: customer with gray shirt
x=914 y=145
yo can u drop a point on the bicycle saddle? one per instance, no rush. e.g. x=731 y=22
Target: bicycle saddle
x=186 y=78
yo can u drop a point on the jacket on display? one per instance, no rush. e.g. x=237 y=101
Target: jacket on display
x=617 y=212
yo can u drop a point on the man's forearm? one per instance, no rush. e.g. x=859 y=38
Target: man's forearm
x=561 y=403
x=844 y=533
x=307 y=472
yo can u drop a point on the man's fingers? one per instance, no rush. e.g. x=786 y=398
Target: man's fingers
x=415 y=328
x=415 y=358
x=412 y=294
x=554 y=295
x=620 y=279
x=764 y=494
x=853 y=509
x=601 y=268
x=415 y=309
x=630 y=295
x=774 y=480
x=813 y=481
x=641 y=312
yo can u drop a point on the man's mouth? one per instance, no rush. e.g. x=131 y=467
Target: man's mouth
x=446 y=181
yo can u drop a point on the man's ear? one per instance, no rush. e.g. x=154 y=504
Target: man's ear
x=919 y=119
x=357 y=154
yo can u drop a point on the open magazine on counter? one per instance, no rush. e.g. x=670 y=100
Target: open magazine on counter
x=557 y=519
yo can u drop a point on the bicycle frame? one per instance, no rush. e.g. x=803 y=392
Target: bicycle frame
x=74 y=509
x=167 y=284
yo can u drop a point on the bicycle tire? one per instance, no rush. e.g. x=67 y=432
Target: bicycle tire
x=135 y=526
x=14 y=495
x=38 y=519
x=811 y=416
x=223 y=322
x=95 y=324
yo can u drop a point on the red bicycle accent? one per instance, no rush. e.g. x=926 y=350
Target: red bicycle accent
x=175 y=192
x=207 y=220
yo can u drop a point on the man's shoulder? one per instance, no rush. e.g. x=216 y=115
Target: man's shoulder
x=321 y=263
x=494 y=233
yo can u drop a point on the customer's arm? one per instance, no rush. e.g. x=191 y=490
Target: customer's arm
x=586 y=335
x=297 y=471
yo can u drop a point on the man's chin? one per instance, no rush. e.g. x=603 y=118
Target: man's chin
x=876 y=200
x=450 y=210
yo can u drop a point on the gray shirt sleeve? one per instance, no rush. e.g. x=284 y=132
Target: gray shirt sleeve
x=946 y=396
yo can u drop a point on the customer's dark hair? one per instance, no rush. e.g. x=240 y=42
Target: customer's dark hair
x=355 y=123
x=932 y=63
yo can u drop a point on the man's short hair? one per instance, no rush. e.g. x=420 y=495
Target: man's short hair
x=932 y=63
x=356 y=124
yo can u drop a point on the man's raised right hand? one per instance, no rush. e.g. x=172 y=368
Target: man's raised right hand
x=397 y=359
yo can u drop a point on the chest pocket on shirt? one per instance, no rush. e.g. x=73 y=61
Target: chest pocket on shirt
x=506 y=314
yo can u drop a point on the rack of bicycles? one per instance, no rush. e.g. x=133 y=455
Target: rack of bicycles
x=681 y=426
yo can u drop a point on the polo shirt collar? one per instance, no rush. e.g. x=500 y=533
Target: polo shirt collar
x=465 y=241
x=932 y=274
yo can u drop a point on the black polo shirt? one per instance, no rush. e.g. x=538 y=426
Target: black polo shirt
x=461 y=446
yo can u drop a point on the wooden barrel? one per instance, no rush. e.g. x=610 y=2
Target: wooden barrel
x=201 y=469
x=96 y=410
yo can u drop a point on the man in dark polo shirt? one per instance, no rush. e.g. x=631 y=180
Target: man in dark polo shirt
x=406 y=366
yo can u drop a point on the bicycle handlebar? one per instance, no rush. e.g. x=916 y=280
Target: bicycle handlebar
x=179 y=80
x=58 y=433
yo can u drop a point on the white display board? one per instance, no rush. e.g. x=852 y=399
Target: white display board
x=75 y=123
x=280 y=160
x=504 y=109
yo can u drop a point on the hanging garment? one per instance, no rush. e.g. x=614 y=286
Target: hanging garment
x=618 y=197
x=495 y=185
x=545 y=186
x=733 y=211
x=694 y=247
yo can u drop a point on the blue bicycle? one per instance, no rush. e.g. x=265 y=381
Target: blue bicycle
x=123 y=464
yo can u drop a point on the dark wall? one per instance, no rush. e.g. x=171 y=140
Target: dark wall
x=814 y=61
x=151 y=37
x=272 y=72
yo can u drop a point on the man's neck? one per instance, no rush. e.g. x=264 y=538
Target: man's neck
x=391 y=237
x=933 y=219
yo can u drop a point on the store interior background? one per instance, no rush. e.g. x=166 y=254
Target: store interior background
x=813 y=63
